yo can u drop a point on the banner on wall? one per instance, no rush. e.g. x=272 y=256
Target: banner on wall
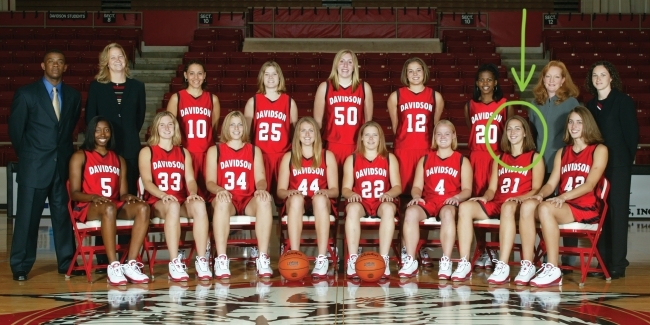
x=640 y=192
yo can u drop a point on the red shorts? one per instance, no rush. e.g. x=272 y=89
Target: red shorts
x=586 y=214
x=80 y=210
x=371 y=206
x=433 y=205
x=239 y=202
x=309 y=209
x=151 y=200
x=341 y=152
x=271 y=167
x=408 y=161
x=481 y=162
x=198 y=163
x=492 y=208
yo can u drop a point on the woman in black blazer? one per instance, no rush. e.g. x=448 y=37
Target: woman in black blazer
x=615 y=115
x=122 y=100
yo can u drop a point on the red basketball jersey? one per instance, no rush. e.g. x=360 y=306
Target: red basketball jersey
x=441 y=176
x=343 y=114
x=272 y=123
x=195 y=120
x=415 y=114
x=307 y=179
x=371 y=178
x=479 y=114
x=101 y=175
x=574 y=172
x=235 y=171
x=168 y=172
x=512 y=183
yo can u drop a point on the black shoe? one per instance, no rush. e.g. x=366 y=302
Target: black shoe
x=20 y=276
x=596 y=274
x=617 y=274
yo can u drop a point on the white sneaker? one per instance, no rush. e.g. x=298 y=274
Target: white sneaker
x=252 y=256
x=263 y=264
x=526 y=273
x=320 y=267
x=387 y=270
x=409 y=267
x=177 y=270
x=115 y=275
x=221 y=267
x=424 y=256
x=463 y=271
x=501 y=273
x=403 y=255
x=485 y=261
x=221 y=289
x=548 y=275
x=202 y=268
x=132 y=272
x=352 y=270
x=444 y=268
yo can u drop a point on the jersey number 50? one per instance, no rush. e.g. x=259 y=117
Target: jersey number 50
x=340 y=115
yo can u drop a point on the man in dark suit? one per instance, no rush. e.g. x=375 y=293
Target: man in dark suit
x=43 y=116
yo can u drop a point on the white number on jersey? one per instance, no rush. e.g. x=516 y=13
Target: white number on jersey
x=420 y=122
x=340 y=117
x=571 y=183
x=480 y=134
x=313 y=187
x=200 y=126
x=241 y=181
x=507 y=182
x=107 y=190
x=440 y=188
x=274 y=129
x=368 y=191
x=165 y=179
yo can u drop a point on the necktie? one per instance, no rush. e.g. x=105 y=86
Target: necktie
x=56 y=104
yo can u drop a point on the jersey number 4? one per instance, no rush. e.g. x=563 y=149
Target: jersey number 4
x=231 y=182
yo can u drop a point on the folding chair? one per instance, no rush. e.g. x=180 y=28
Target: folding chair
x=583 y=230
x=84 y=233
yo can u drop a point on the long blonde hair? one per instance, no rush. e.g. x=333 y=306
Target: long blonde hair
x=296 y=145
x=104 y=74
x=225 y=127
x=334 y=75
x=261 y=89
x=454 y=141
x=154 y=139
x=381 y=146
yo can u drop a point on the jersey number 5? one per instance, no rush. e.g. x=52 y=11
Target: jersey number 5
x=107 y=190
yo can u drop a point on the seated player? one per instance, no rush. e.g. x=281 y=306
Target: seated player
x=99 y=191
x=371 y=186
x=168 y=177
x=308 y=182
x=443 y=179
x=507 y=188
x=578 y=169
x=236 y=178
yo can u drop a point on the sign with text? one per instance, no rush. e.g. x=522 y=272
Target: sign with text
x=108 y=18
x=67 y=15
x=205 y=18
x=639 y=194
x=550 y=19
x=467 y=19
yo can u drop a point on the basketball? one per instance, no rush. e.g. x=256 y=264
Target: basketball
x=293 y=265
x=370 y=266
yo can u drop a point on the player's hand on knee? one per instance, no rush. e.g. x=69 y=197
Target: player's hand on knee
x=99 y=200
x=169 y=198
x=480 y=198
x=321 y=192
x=354 y=198
x=386 y=198
x=537 y=197
x=415 y=201
x=293 y=192
x=263 y=195
x=129 y=198
x=195 y=197
x=224 y=196
x=557 y=201
x=452 y=201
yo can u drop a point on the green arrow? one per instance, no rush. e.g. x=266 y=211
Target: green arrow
x=520 y=79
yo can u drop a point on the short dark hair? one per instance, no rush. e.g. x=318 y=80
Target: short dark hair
x=57 y=51
x=489 y=67
x=89 y=140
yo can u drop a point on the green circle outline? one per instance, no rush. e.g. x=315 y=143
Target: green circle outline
x=489 y=147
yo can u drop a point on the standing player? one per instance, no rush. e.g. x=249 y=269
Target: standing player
x=197 y=112
x=168 y=177
x=342 y=104
x=235 y=176
x=308 y=182
x=371 y=185
x=487 y=97
x=414 y=110
x=578 y=170
x=443 y=179
x=99 y=191
x=505 y=185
